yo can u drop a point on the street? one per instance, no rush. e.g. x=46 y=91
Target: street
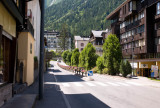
x=104 y=92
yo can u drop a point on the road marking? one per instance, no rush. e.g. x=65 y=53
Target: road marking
x=65 y=84
x=113 y=84
x=49 y=82
x=122 y=83
x=78 y=84
x=134 y=83
x=90 y=84
x=102 y=84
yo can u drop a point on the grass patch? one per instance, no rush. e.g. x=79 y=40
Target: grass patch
x=154 y=79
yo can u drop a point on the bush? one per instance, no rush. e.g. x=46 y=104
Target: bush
x=105 y=71
x=69 y=55
x=75 y=57
x=100 y=64
x=64 y=56
x=125 y=68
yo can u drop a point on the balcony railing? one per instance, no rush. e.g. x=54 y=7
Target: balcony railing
x=29 y=27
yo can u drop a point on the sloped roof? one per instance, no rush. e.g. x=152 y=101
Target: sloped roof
x=81 y=38
x=98 y=33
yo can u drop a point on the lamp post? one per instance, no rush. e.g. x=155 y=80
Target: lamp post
x=132 y=57
x=41 y=65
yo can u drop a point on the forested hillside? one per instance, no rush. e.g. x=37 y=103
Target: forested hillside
x=82 y=16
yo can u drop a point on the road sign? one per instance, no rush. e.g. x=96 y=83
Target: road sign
x=90 y=73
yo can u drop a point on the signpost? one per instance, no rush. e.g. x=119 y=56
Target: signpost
x=90 y=74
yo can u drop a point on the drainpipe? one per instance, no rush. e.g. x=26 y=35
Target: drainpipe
x=41 y=69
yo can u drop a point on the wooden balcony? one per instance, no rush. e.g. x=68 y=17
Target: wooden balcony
x=122 y=30
x=158 y=48
x=157 y=17
x=29 y=27
x=157 y=33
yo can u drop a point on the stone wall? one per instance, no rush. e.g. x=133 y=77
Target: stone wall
x=5 y=93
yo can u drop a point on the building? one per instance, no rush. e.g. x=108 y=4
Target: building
x=81 y=42
x=54 y=40
x=17 y=45
x=136 y=23
x=97 y=38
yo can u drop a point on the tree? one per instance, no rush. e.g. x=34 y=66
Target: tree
x=53 y=53
x=75 y=57
x=82 y=58
x=90 y=56
x=64 y=56
x=64 y=37
x=125 y=68
x=100 y=64
x=112 y=54
x=69 y=55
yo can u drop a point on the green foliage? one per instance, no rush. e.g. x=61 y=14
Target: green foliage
x=112 y=54
x=64 y=56
x=77 y=12
x=75 y=57
x=125 y=68
x=69 y=55
x=64 y=36
x=88 y=57
x=35 y=59
x=54 y=53
x=105 y=71
x=100 y=64
x=128 y=68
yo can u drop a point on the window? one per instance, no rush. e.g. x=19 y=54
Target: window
x=136 y=17
x=158 y=8
x=130 y=6
x=30 y=48
x=157 y=26
x=82 y=44
x=81 y=49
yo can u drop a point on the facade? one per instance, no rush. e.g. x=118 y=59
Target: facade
x=17 y=45
x=136 y=23
x=80 y=42
x=97 y=38
x=53 y=41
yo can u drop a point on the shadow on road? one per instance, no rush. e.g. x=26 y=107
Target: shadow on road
x=68 y=78
x=85 y=101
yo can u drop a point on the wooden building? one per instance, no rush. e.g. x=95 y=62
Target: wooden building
x=137 y=24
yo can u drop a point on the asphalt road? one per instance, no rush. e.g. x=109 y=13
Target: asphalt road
x=105 y=92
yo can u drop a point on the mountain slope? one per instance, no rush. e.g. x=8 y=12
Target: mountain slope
x=82 y=16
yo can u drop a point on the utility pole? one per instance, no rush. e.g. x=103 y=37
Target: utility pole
x=41 y=65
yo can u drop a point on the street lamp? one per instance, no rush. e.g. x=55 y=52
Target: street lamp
x=132 y=57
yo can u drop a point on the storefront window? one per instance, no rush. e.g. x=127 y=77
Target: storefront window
x=158 y=8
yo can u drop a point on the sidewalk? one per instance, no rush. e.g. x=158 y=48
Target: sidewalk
x=53 y=96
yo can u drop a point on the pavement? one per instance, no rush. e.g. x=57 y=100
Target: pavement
x=107 y=91
x=64 y=89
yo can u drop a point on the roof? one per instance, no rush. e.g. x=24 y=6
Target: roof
x=81 y=38
x=116 y=10
x=98 y=33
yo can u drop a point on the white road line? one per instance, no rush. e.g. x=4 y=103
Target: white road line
x=122 y=83
x=65 y=84
x=113 y=84
x=78 y=84
x=102 y=84
x=49 y=83
x=90 y=84
x=134 y=83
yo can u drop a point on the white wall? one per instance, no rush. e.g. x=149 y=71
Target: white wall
x=36 y=21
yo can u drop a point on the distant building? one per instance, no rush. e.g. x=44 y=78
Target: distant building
x=97 y=38
x=53 y=40
x=81 y=42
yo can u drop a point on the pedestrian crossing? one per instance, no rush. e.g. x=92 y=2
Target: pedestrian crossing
x=96 y=83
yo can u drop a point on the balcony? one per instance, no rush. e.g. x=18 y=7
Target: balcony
x=157 y=33
x=158 y=48
x=29 y=27
x=157 y=17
